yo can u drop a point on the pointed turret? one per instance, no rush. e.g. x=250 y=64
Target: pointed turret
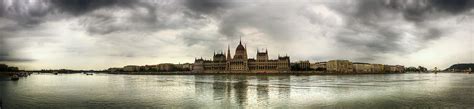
x=228 y=53
x=240 y=40
x=262 y=55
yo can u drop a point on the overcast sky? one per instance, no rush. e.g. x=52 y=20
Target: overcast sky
x=98 y=34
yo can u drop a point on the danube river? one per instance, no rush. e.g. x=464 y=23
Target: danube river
x=449 y=90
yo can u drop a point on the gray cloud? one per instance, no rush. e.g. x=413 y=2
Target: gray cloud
x=368 y=27
x=5 y=54
x=278 y=25
x=2 y=9
x=154 y=15
x=25 y=13
x=16 y=16
x=103 y=18
x=372 y=30
x=32 y=13
x=415 y=10
x=207 y=6
x=381 y=40
x=3 y=49
x=78 y=7
x=146 y=16
x=29 y=14
x=7 y=58
x=453 y=6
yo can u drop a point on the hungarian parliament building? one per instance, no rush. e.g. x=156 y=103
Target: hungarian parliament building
x=240 y=63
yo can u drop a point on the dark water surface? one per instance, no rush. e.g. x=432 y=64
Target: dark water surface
x=232 y=91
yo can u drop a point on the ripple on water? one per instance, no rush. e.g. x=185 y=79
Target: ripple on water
x=234 y=91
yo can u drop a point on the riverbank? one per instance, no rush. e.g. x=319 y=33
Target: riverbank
x=289 y=73
x=5 y=74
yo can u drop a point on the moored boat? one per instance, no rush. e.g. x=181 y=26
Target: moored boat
x=22 y=74
x=15 y=77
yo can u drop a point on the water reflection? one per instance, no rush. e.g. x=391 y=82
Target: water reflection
x=238 y=91
x=284 y=90
x=234 y=90
x=262 y=91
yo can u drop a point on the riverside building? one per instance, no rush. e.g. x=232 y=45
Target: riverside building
x=339 y=66
x=240 y=63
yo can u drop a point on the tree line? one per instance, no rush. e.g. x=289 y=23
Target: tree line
x=6 y=68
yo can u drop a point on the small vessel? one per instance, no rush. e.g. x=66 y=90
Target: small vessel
x=89 y=73
x=22 y=75
x=15 y=78
x=55 y=73
x=469 y=71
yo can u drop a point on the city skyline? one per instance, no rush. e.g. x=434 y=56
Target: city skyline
x=99 y=34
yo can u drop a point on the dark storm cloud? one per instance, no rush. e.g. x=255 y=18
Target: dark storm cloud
x=5 y=53
x=32 y=13
x=2 y=8
x=195 y=37
x=382 y=40
x=94 y=23
x=16 y=16
x=78 y=7
x=207 y=6
x=453 y=6
x=366 y=30
x=29 y=14
x=102 y=18
x=416 y=10
x=371 y=29
x=152 y=16
x=3 y=50
x=7 y=58
x=158 y=13
x=371 y=12
x=25 y=13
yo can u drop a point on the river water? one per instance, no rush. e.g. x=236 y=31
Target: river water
x=411 y=90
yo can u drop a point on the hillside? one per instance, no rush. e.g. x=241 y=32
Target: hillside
x=460 y=67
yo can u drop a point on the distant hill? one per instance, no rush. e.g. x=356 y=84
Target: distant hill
x=461 y=67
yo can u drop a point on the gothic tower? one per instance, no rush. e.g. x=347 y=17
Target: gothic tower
x=228 y=53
